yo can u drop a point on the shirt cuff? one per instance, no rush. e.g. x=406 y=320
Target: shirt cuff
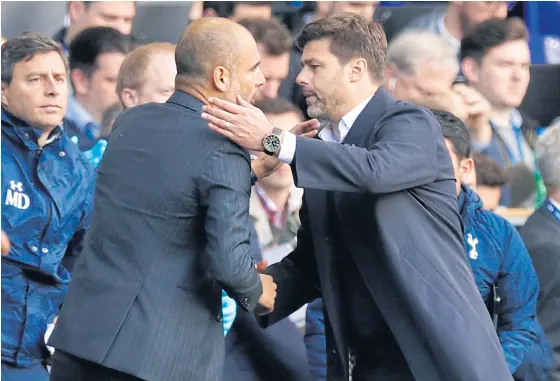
x=288 y=149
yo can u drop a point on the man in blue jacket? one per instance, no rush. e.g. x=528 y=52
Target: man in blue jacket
x=499 y=262
x=47 y=189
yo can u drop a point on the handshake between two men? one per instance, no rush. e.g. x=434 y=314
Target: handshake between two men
x=268 y=296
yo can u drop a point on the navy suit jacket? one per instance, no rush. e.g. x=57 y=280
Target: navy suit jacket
x=170 y=230
x=394 y=203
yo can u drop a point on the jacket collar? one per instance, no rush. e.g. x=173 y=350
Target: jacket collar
x=19 y=130
x=371 y=114
x=186 y=100
x=469 y=201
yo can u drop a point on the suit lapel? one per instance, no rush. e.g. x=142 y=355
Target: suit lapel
x=374 y=110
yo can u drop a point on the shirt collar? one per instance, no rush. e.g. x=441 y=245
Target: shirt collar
x=346 y=122
x=515 y=120
x=556 y=205
x=78 y=115
x=442 y=29
x=26 y=133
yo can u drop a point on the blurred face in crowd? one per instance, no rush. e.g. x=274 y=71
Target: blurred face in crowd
x=98 y=91
x=324 y=81
x=114 y=14
x=251 y=11
x=490 y=196
x=429 y=80
x=463 y=168
x=282 y=178
x=472 y=13
x=275 y=69
x=502 y=76
x=158 y=81
x=38 y=93
x=362 y=8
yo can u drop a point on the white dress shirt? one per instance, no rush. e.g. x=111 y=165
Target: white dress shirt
x=331 y=133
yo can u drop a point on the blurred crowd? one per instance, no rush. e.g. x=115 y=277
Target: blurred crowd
x=470 y=59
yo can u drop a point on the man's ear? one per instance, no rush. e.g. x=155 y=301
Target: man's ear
x=358 y=68
x=221 y=77
x=466 y=166
x=4 y=93
x=471 y=70
x=129 y=97
x=80 y=81
x=76 y=9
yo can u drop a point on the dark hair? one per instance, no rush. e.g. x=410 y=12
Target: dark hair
x=271 y=33
x=278 y=106
x=351 y=36
x=455 y=131
x=490 y=34
x=89 y=44
x=488 y=171
x=24 y=48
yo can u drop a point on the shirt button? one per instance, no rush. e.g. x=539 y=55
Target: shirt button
x=45 y=250
x=34 y=248
x=62 y=154
x=219 y=317
x=26 y=135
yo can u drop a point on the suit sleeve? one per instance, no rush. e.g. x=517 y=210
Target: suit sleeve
x=518 y=289
x=296 y=276
x=403 y=156
x=548 y=270
x=224 y=188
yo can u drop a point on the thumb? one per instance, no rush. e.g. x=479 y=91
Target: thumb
x=242 y=102
x=262 y=265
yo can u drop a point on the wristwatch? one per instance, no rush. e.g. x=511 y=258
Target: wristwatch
x=271 y=142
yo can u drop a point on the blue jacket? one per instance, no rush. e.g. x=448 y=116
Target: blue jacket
x=46 y=204
x=497 y=256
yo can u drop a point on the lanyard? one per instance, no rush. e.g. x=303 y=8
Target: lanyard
x=552 y=209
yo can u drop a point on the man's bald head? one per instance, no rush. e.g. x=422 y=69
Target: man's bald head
x=210 y=42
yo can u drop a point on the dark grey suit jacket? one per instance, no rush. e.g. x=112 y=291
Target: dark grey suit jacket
x=395 y=203
x=170 y=230
x=540 y=234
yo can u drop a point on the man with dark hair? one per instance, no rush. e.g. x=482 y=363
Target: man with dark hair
x=380 y=238
x=495 y=60
x=46 y=200
x=88 y=14
x=274 y=43
x=490 y=178
x=96 y=55
x=499 y=260
x=173 y=230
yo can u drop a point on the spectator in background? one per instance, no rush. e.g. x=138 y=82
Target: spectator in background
x=421 y=67
x=46 y=224
x=147 y=75
x=109 y=118
x=96 y=55
x=490 y=178
x=274 y=43
x=540 y=233
x=459 y=18
x=495 y=61
x=88 y=14
x=251 y=10
x=277 y=353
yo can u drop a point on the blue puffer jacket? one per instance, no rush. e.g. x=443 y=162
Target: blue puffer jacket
x=498 y=257
x=46 y=205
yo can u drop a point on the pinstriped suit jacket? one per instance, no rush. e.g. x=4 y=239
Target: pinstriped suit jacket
x=170 y=230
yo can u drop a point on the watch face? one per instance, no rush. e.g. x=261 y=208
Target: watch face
x=271 y=143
